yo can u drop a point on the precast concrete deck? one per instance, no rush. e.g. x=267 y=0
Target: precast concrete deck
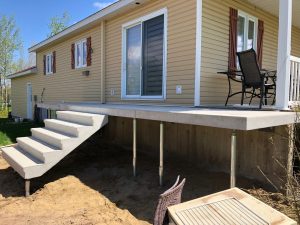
x=233 y=118
x=230 y=118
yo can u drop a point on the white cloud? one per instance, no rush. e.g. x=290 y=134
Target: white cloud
x=101 y=5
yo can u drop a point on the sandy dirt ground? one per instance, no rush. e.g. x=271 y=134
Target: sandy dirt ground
x=94 y=185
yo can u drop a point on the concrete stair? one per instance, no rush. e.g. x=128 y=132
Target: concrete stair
x=33 y=156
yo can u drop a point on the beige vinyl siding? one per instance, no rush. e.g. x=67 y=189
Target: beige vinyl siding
x=19 y=95
x=68 y=84
x=215 y=45
x=71 y=86
x=296 y=42
x=180 y=49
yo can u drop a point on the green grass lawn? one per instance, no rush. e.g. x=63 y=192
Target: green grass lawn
x=10 y=130
x=4 y=113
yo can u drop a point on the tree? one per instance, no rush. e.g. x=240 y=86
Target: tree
x=9 y=44
x=25 y=62
x=58 y=24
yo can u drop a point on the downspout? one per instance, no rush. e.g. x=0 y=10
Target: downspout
x=102 y=79
x=198 y=53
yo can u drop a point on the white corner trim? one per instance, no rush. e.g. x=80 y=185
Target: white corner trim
x=163 y=11
x=103 y=60
x=197 y=96
x=165 y=54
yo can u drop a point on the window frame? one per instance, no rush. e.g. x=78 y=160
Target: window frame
x=81 y=48
x=129 y=25
x=49 y=68
x=248 y=18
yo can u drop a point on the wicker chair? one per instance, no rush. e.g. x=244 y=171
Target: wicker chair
x=168 y=198
x=254 y=78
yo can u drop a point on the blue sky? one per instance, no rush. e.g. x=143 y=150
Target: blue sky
x=33 y=16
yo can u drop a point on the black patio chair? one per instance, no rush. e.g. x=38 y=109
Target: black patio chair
x=170 y=197
x=256 y=79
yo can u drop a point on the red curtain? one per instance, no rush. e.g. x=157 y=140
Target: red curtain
x=89 y=51
x=73 y=56
x=232 y=39
x=44 y=61
x=54 y=62
x=260 y=38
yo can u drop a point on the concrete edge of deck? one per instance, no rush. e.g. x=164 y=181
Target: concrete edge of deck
x=210 y=117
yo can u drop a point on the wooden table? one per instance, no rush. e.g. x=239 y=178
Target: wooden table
x=232 y=206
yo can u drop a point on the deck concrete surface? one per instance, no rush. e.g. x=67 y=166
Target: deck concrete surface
x=229 y=118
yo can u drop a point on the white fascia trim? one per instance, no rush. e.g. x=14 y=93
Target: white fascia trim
x=97 y=16
x=163 y=11
x=28 y=72
x=198 y=59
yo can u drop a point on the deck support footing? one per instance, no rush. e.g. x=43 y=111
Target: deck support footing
x=134 y=148
x=233 y=160
x=27 y=188
x=161 y=153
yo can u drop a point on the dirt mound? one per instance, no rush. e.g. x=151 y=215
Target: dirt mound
x=102 y=185
x=65 y=201
x=276 y=200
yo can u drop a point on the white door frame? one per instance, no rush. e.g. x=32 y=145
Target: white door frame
x=29 y=101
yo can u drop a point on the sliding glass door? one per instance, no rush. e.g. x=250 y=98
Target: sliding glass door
x=145 y=58
x=153 y=47
x=133 y=60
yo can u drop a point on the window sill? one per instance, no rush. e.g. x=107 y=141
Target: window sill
x=150 y=98
x=80 y=67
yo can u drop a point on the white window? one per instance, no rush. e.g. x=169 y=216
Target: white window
x=80 y=54
x=49 y=64
x=246 y=32
x=144 y=57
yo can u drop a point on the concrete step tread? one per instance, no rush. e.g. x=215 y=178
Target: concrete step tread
x=78 y=113
x=51 y=133
x=65 y=123
x=21 y=157
x=33 y=156
x=37 y=144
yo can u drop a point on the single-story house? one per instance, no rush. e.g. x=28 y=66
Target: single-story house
x=158 y=62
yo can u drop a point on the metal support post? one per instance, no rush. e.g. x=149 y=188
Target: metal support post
x=134 y=147
x=27 y=188
x=233 y=160
x=161 y=153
